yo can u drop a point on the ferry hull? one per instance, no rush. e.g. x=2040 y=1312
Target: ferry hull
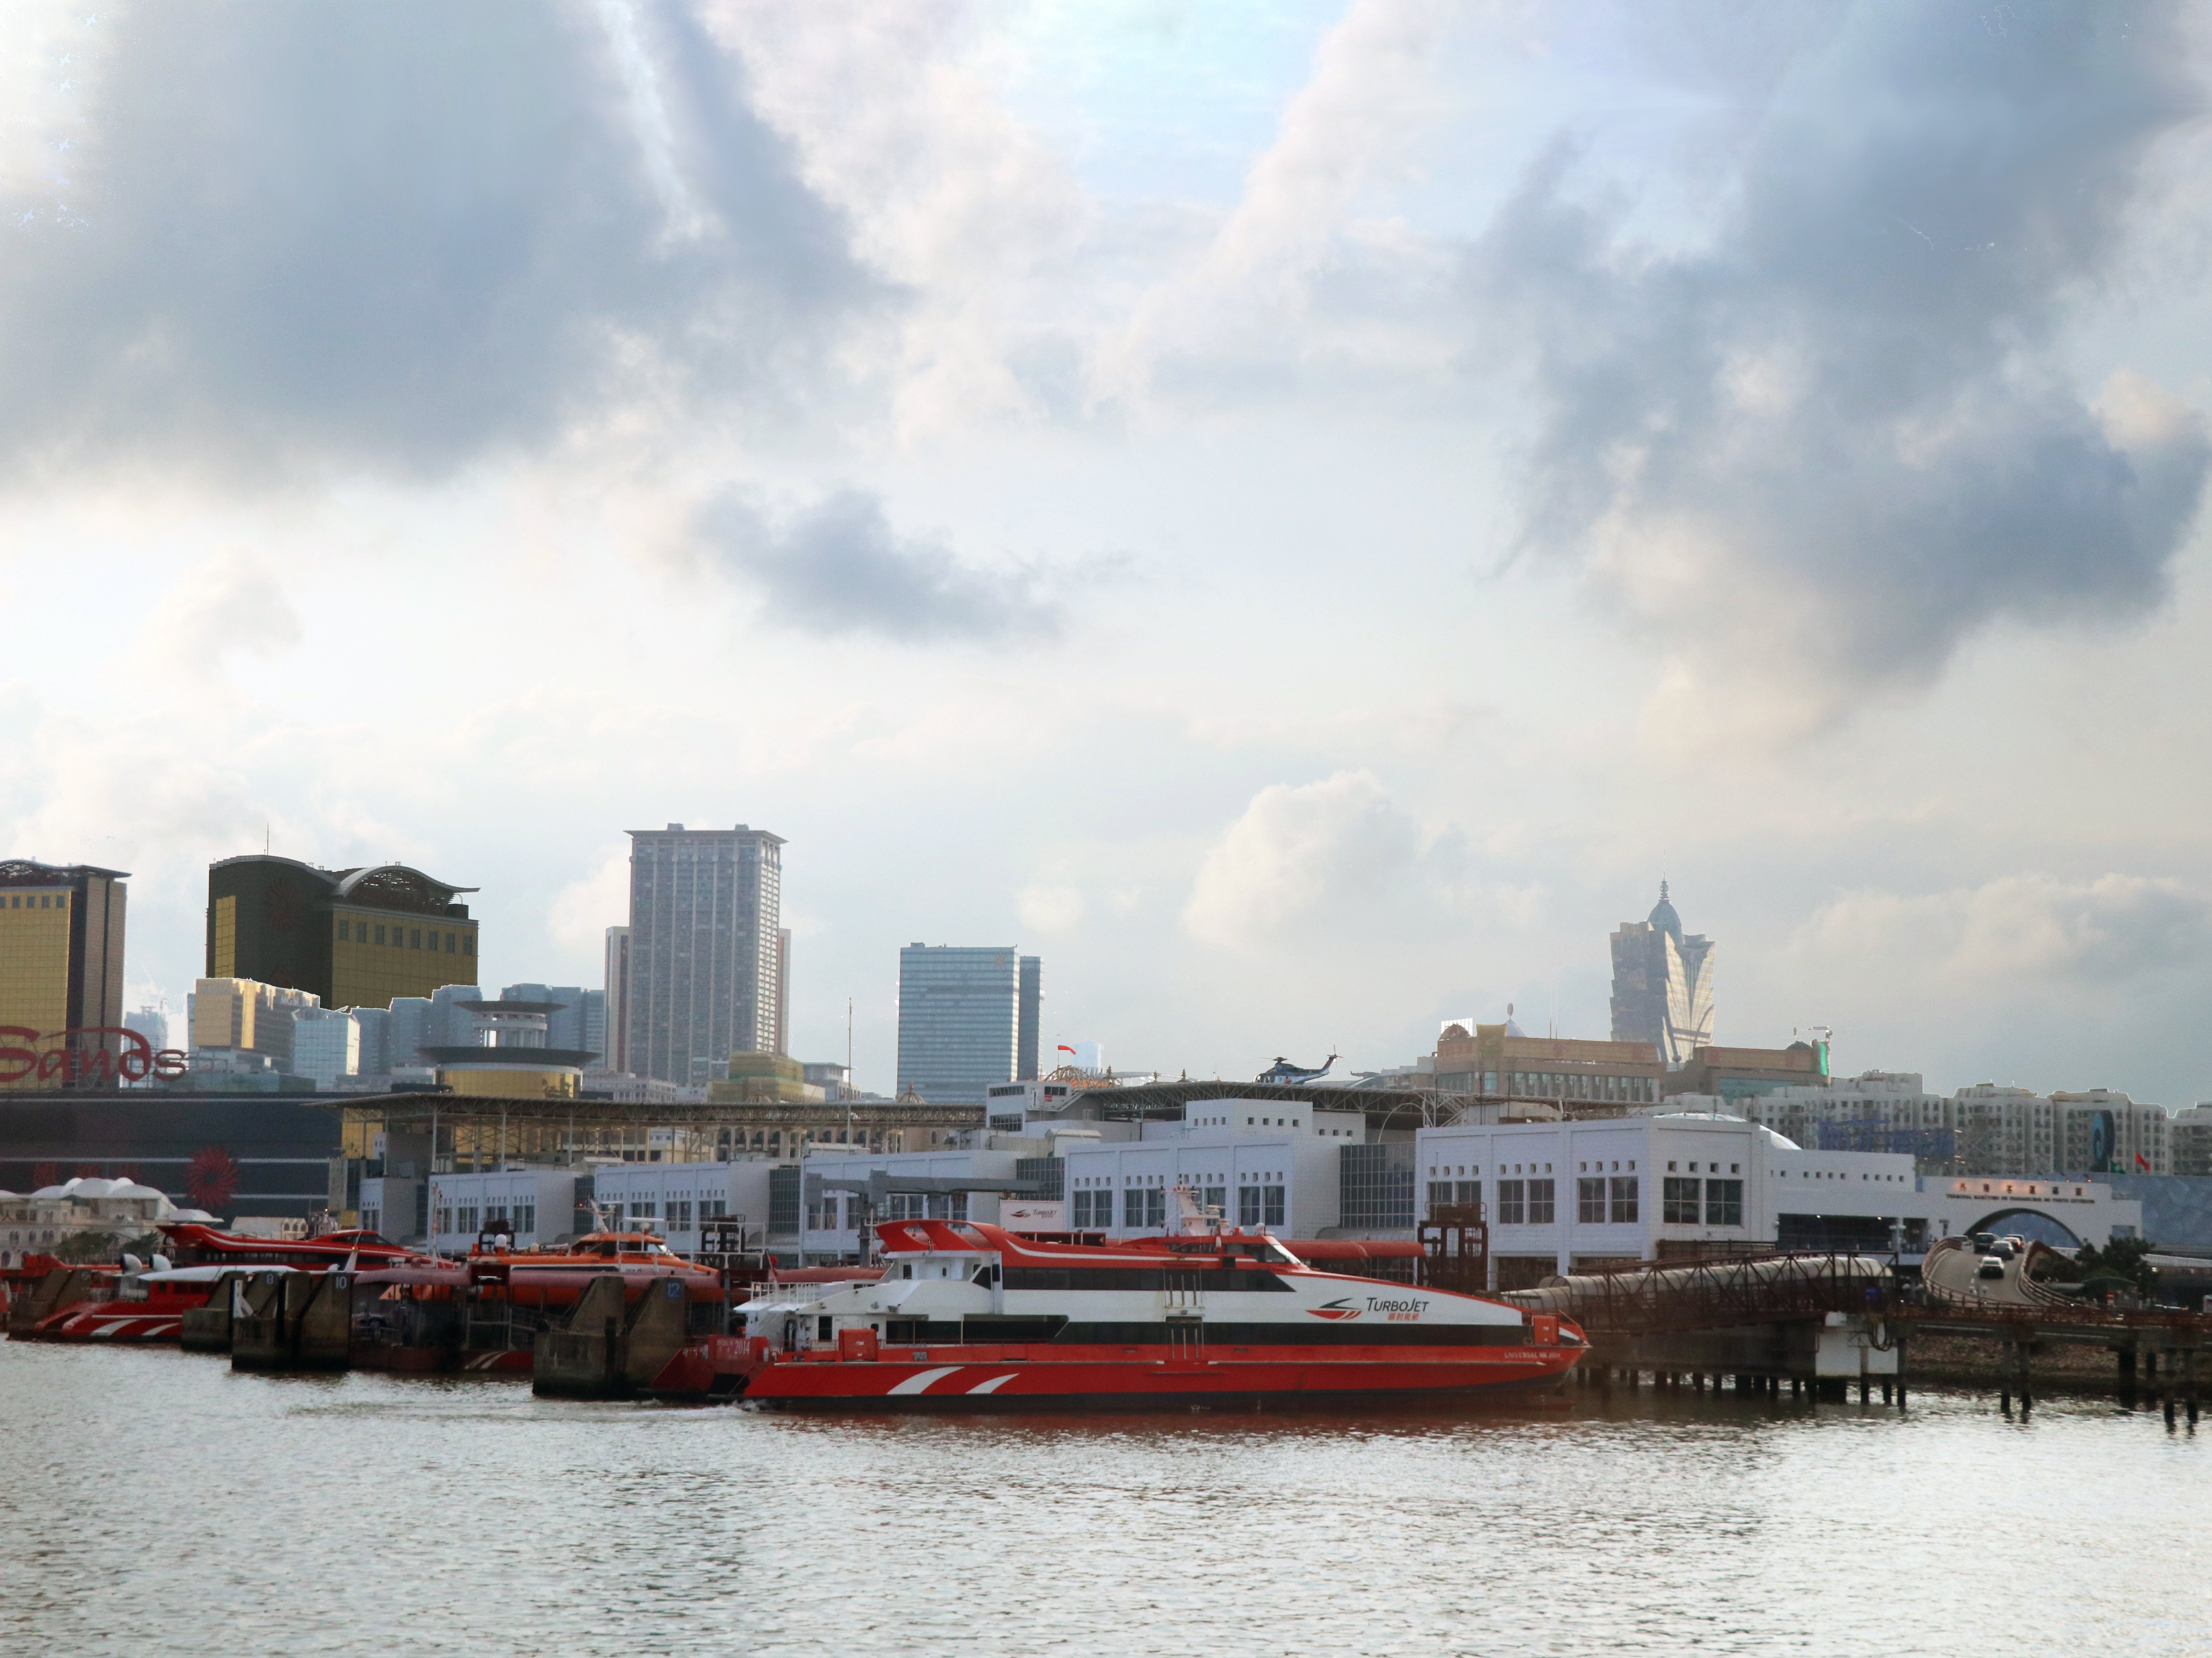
x=997 y=1379
x=443 y=1361
x=115 y=1323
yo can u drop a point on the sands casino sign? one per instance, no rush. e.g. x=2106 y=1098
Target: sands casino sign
x=28 y=1056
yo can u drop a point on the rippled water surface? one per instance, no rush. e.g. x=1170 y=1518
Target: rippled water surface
x=153 y=1502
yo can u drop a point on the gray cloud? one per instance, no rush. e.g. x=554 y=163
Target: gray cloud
x=839 y=567
x=402 y=234
x=1836 y=440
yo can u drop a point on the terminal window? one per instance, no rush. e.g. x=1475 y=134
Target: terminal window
x=1540 y=1202
x=1624 y=1199
x=1589 y=1200
x=1723 y=1202
x=1145 y=1206
x=1512 y=1202
x=1679 y=1202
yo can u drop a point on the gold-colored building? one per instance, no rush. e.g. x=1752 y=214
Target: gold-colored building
x=61 y=972
x=246 y=1015
x=354 y=938
x=765 y=1079
x=1498 y=1060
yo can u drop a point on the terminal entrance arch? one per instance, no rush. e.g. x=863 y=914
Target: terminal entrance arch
x=1994 y=1222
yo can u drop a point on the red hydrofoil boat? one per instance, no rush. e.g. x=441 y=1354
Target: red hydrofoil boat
x=969 y=1315
x=133 y=1304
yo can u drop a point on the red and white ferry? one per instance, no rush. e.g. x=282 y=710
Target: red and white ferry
x=133 y=1303
x=970 y=1315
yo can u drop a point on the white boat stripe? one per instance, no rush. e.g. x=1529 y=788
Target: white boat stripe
x=916 y=1384
x=994 y=1384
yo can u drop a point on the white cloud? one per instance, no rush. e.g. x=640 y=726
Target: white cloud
x=580 y=913
x=1372 y=93
x=233 y=604
x=1301 y=857
x=1046 y=908
x=1817 y=453
x=897 y=120
x=2022 y=930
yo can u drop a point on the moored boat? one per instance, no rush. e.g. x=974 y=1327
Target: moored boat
x=967 y=1315
x=483 y=1315
x=134 y=1302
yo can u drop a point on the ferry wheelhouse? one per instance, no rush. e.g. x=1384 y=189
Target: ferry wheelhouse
x=967 y=1315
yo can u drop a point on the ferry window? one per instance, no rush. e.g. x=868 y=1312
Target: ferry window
x=821 y=1329
x=1273 y=1205
x=1589 y=1200
x=1248 y=1205
x=1216 y=1200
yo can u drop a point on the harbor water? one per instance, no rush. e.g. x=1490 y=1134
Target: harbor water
x=153 y=1500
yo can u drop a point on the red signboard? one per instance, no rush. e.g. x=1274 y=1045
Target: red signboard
x=71 y=1065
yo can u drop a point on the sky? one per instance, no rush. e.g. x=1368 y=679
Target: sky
x=1301 y=516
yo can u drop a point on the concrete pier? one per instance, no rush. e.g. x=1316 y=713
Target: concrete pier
x=62 y=1286
x=207 y=1329
x=294 y=1321
x=608 y=1349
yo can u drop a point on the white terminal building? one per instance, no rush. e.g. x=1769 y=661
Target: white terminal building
x=1563 y=1196
x=1558 y=1195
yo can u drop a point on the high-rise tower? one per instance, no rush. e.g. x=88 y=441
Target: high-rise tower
x=959 y=1021
x=1662 y=983
x=704 y=909
x=61 y=972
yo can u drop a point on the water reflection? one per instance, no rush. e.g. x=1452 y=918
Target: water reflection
x=153 y=1499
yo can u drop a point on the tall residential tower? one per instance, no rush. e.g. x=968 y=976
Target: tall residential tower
x=705 y=906
x=1662 y=983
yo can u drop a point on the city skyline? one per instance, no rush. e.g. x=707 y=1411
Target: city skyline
x=1028 y=1026
x=993 y=500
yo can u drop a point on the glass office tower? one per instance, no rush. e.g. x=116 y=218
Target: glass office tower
x=959 y=1026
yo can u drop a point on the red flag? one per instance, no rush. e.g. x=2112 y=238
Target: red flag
x=2142 y=1162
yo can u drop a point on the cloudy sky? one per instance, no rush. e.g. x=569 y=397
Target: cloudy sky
x=1301 y=515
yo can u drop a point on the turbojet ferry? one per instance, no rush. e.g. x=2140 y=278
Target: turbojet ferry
x=971 y=1315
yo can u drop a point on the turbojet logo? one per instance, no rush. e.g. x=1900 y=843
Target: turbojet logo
x=1398 y=1311
x=1344 y=1307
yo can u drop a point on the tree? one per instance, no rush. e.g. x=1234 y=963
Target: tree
x=2122 y=1257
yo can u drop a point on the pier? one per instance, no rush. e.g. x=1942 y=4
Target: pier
x=1818 y=1324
